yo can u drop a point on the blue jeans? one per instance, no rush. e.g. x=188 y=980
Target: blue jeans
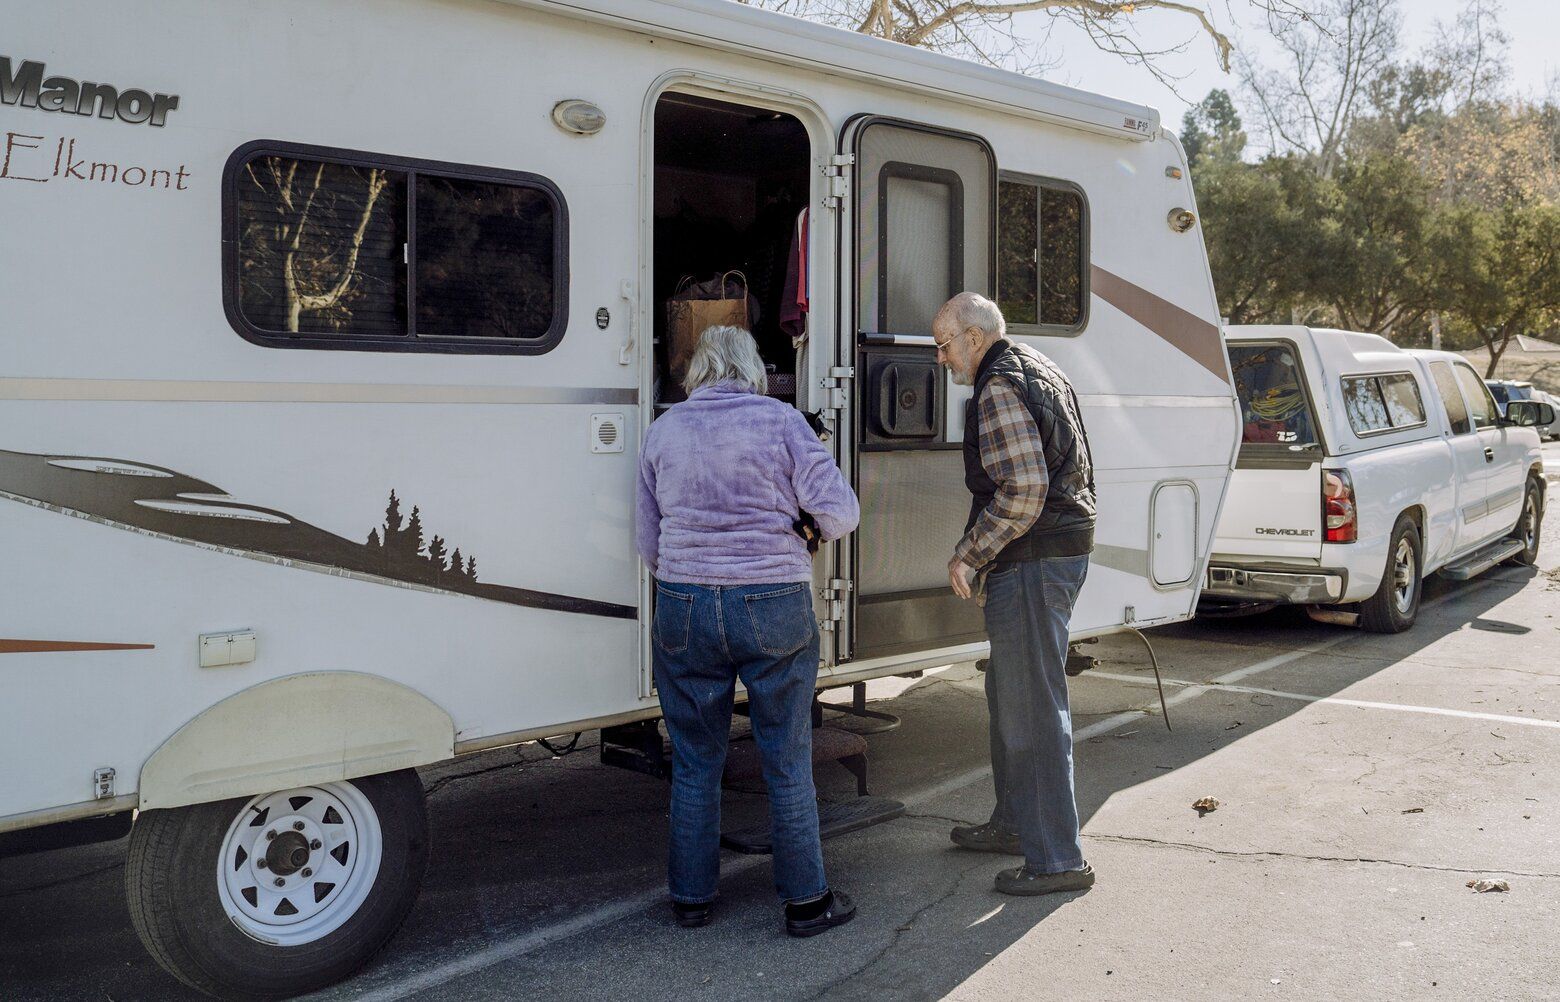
x=1028 y=607
x=707 y=637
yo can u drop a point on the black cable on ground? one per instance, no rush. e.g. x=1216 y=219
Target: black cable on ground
x=1159 y=682
x=566 y=749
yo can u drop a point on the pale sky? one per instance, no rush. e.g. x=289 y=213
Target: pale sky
x=1533 y=56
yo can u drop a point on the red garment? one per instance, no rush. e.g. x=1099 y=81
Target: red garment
x=793 y=295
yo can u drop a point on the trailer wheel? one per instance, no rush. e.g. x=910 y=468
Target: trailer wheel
x=1395 y=605
x=1528 y=526
x=279 y=894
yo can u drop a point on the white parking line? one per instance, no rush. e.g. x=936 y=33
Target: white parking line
x=528 y=942
x=1197 y=688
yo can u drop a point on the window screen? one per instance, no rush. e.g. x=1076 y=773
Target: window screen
x=1041 y=253
x=921 y=243
x=1382 y=403
x=1451 y=397
x=1480 y=407
x=356 y=251
x=1274 y=407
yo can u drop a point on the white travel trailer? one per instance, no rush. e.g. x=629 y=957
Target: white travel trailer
x=329 y=332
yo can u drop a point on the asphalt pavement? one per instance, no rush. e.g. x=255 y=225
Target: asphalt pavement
x=1362 y=782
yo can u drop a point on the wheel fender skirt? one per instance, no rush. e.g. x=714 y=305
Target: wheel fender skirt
x=298 y=730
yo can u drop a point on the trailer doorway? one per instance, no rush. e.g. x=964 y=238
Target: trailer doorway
x=730 y=191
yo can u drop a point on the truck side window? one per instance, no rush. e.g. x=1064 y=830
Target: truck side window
x=1451 y=397
x=1042 y=254
x=1480 y=405
x=1382 y=403
x=333 y=249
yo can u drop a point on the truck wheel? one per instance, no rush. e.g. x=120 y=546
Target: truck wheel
x=279 y=894
x=1528 y=525
x=1395 y=605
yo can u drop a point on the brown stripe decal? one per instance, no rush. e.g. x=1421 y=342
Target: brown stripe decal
x=49 y=646
x=1193 y=336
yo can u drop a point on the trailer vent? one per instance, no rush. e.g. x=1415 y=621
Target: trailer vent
x=606 y=433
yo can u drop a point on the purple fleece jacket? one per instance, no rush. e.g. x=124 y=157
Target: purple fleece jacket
x=721 y=478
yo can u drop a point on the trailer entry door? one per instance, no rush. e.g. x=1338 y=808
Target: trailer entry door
x=922 y=211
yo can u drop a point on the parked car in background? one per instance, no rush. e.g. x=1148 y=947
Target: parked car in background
x=1551 y=429
x=1364 y=467
x=1506 y=390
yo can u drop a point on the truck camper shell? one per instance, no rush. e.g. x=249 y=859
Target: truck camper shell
x=322 y=468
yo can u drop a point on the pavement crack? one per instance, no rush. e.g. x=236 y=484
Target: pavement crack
x=908 y=925
x=939 y=817
x=19 y=891
x=1274 y=854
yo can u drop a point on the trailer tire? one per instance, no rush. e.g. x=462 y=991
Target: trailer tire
x=371 y=834
x=1395 y=605
x=1529 y=526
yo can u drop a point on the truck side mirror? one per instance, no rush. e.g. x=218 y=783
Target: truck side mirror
x=1529 y=413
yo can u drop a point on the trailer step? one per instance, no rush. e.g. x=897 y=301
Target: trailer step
x=833 y=819
x=1478 y=562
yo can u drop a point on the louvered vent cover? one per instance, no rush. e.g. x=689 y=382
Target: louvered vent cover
x=606 y=433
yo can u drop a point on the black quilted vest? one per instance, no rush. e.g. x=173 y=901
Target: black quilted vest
x=1065 y=527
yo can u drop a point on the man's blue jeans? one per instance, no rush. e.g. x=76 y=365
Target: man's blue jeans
x=1028 y=607
x=706 y=637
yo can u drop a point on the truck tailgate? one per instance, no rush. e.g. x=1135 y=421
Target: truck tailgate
x=1272 y=514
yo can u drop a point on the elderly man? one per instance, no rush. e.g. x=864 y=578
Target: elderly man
x=1028 y=539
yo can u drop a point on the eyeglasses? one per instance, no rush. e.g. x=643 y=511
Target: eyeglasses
x=942 y=345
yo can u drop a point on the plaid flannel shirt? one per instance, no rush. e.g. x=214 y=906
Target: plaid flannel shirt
x=1014 y=457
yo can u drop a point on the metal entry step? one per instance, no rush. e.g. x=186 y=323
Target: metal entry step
x=1479 y=561
x=833 y=819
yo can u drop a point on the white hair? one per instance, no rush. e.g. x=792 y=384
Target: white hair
x=726 y=354
x=971 y=309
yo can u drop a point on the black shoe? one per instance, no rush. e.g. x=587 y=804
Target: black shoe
x=836 y=908
x=1023 y=880
x=986 y=838
x=691 y=916
x=1077 y=664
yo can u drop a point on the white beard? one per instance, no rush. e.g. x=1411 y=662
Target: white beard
x=960 y=379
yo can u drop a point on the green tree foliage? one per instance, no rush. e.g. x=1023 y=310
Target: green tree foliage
x=1269 y=235
x=1212 y=129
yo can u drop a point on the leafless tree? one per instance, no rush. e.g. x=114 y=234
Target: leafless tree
x=1472 y=51
x=1330 y=60
x=985 y=30
x=319 y=262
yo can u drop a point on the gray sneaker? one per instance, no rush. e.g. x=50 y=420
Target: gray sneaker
x=1023 y=880
x=986 y=838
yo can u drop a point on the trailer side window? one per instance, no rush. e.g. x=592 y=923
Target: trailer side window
x=1388 y=402
x=1042 y=254
x=1451 y=397
x=332 y=249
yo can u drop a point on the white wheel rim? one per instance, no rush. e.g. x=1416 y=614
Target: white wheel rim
x=297 y=864
x=1403 y=585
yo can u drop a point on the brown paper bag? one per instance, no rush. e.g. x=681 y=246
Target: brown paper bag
x=694 y=308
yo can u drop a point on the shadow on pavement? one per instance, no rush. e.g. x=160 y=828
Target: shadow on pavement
x=524 y=842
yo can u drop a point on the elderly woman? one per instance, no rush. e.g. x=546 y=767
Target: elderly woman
x=722 y=479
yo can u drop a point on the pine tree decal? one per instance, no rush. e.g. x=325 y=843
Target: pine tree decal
x=412 y=539
x=392 y=536
x=436 y=556
x=397 y=548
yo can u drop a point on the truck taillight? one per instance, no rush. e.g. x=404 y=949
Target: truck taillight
x=1340 y=521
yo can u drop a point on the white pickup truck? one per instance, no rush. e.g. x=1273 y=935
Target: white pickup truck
x=1363 y=467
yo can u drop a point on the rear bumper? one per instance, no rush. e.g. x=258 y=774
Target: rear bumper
x=1229 y=583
